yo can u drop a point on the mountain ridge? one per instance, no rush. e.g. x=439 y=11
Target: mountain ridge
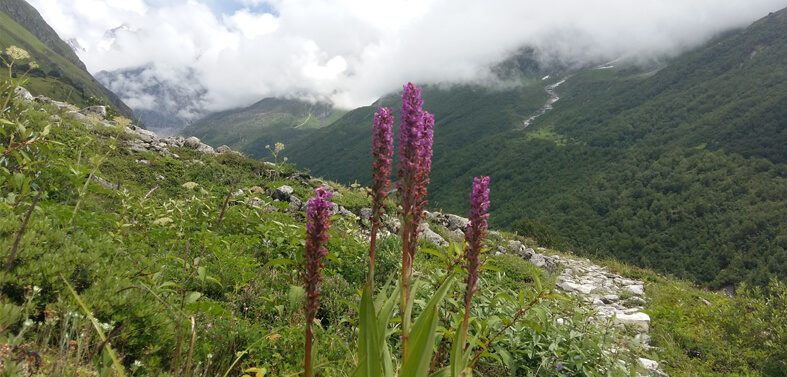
x=61 y=75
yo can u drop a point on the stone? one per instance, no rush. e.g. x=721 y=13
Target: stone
x=643 y=339
x=206 y=149
x=296 y=204
x=23 y=93
x=145 y=135
x=538 y=260
x=639 y=320
x=609 y=299
x=256 y=190
x=456 y=222
x=638 y=290
x=635 y=301
x=283 y=193
x=223 y=149
x=103 y=182
x=365 y=214
x=571 y=287
x=98 y=110
x=706 y=302
x=191 y=142
x=431 y=236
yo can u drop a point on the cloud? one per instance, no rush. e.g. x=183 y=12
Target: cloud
x=353 y=51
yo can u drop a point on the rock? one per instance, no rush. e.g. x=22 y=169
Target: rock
x=283 y=193
x=98 y=110
x=610 y=299
x=145 y=135
x=295 y=204
x=239 y=192
x=517 y=248
x=256 y=190
x=538 y=260
x=455 y=222
x=643 y=339
x=23 y=93
x=106 y=184
x=77 y=115
x=191 y=142
x=160 y=178
x=206 y=149
x=365 y=214
x=393 y=224
x=638 y=290
x=54 y=117
x=639 y=320
x=339 y=210
x=706 y=302
x=581 y=288
x=634 y=301
x=652 y=366
x=175 y=141
x=431 y=236
x=257 y=202
x=223 y=149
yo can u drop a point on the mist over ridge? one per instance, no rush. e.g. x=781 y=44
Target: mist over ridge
x=352 y=52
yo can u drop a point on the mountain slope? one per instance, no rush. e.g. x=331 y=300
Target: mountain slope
x=61 y=75
x=165 y=104
x=266 y=122
x=680 y=169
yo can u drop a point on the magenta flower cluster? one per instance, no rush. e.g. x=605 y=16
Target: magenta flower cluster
x=476 y=231
x=382 y=152
x=415 y=162
x=318 y=218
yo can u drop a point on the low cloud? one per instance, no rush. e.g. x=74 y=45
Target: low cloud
x=353 y=51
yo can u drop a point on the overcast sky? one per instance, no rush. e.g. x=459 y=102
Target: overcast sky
x=354 y=51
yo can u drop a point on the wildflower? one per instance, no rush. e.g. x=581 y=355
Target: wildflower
x=17 y=53
x=382 y=151
x=474 y=237
x=209 y=325
x=317 y=225
x=559 y=366
x=415 y=153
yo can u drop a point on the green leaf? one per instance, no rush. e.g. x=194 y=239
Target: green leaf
x=277 y=262
x=537 y=282
x=422 y=335
x=490 y=268
x=192 y=297
x=433 y=252
x=369 y=346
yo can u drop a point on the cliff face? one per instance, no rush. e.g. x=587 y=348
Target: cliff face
x=23 y=26
x=28 y=17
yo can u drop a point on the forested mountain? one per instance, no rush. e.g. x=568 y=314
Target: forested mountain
x=681 y=169
x=59 y=74
x=266 y=122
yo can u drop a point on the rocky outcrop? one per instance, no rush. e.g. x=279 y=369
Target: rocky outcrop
x=613 y=296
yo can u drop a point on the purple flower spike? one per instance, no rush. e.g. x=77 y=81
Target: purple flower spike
x=318 y=218
x=474 y=237
x=415 y=154
x=382 y=151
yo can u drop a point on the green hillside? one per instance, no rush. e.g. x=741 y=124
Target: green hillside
x=266 y=122
x=680 y=169
x=125 y=262
x=60 y=74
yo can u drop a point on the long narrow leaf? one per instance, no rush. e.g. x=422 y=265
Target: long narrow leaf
x=369 y=346
x=422 y=335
